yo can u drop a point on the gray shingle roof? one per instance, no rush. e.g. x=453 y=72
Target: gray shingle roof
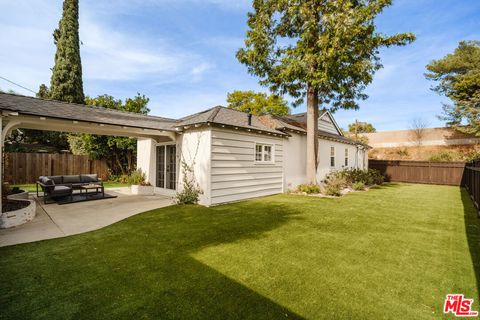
x=72 y=111
x=298 y=122
x=225 y=116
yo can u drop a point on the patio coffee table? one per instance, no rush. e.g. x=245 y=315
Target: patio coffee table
x=95 y=187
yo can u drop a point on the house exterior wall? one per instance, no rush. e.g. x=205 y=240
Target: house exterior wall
x=295 y=161
x=194 y=148
x=224 y=163
x=234 y=173
x=295 y=165
x=146 y=158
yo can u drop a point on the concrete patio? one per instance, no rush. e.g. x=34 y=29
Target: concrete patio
x=55 y=221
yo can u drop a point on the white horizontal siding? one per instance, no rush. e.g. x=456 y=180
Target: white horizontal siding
x=325 y=123
x=234 y=173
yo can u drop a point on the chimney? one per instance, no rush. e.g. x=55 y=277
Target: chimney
x=249 y=119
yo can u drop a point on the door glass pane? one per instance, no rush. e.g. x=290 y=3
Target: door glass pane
x=170 y=167
x=161 y=167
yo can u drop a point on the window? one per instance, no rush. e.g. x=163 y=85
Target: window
x=263 y=153
x=258 y=152
x=332 y=156
x=346 y=157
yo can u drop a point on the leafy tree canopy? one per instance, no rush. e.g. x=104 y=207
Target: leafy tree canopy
x=458 y=78
x=324 y=50
x=120 y=152
x=330 y=45
x=361 y=127
x=257 y=103
x=66 y=83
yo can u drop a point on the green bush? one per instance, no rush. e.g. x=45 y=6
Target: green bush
x=368 y=177
x=123 y=178
x=374 y=177
x=444 y=156
x=471 y=156
x=333 y=189
x=309 y=188
x=358 y=186
x=190 y=193
x=138 y=177
x=334 y=183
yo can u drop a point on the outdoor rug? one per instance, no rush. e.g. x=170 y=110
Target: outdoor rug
x=83 y=197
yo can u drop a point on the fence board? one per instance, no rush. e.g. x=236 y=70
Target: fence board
x=471 y=182
x=446 y=173
x=27 y=167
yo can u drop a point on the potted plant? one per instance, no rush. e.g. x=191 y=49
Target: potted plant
x=139 y=185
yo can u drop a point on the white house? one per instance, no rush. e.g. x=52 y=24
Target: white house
x=234 y=156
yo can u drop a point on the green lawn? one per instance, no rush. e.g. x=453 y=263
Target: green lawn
x=392 y=252
x=30 y=187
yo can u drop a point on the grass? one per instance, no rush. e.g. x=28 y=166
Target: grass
x=30 y=187
x=392 y=252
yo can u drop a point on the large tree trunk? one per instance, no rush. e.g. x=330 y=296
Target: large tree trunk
x=312 y=134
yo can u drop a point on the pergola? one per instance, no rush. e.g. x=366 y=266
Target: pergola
x=18 y=111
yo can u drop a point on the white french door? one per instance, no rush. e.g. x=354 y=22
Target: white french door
x=166 y=167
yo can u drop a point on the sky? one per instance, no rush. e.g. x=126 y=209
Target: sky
x=181 y=53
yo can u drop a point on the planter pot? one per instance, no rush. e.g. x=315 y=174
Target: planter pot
x=18 y=196
x=17 y=217
x=142 y=190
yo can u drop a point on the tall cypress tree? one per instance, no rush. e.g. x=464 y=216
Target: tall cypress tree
x=66 y=83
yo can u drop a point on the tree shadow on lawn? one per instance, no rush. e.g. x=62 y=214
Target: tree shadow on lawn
x=141 y=268
x=472 y=229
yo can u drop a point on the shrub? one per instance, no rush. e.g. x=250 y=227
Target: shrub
x=374 y=177
x=442 y=157
x=309 y=188
x=472 y=156
x=368 y=177
x=334 y=183
x=190 y=194
x=138 y=177
x=333 y=189
x=358 y=186
x=402 y=152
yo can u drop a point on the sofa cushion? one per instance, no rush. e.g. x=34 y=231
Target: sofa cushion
x=61 y=190
x=49 y=184
x=56 y=179
x=88 y=178
x=71 y=179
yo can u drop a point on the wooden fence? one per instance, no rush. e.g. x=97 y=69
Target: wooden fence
x=471 y=181
x=27 y=167
x=446 y=173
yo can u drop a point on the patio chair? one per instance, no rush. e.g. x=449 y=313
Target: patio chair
x=51 y=191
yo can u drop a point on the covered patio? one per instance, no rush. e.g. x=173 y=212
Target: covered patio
x=55 y=221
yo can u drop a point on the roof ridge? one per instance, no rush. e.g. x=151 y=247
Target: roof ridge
x=216 y=110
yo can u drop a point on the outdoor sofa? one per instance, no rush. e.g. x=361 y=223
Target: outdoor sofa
x=62 y=186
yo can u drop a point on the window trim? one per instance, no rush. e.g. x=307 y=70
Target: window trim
x=263 y=153
x=332 y=157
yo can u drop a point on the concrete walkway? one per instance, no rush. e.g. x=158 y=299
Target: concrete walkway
x=55 y=221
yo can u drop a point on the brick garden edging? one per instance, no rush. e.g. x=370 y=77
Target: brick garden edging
x=18 y=217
